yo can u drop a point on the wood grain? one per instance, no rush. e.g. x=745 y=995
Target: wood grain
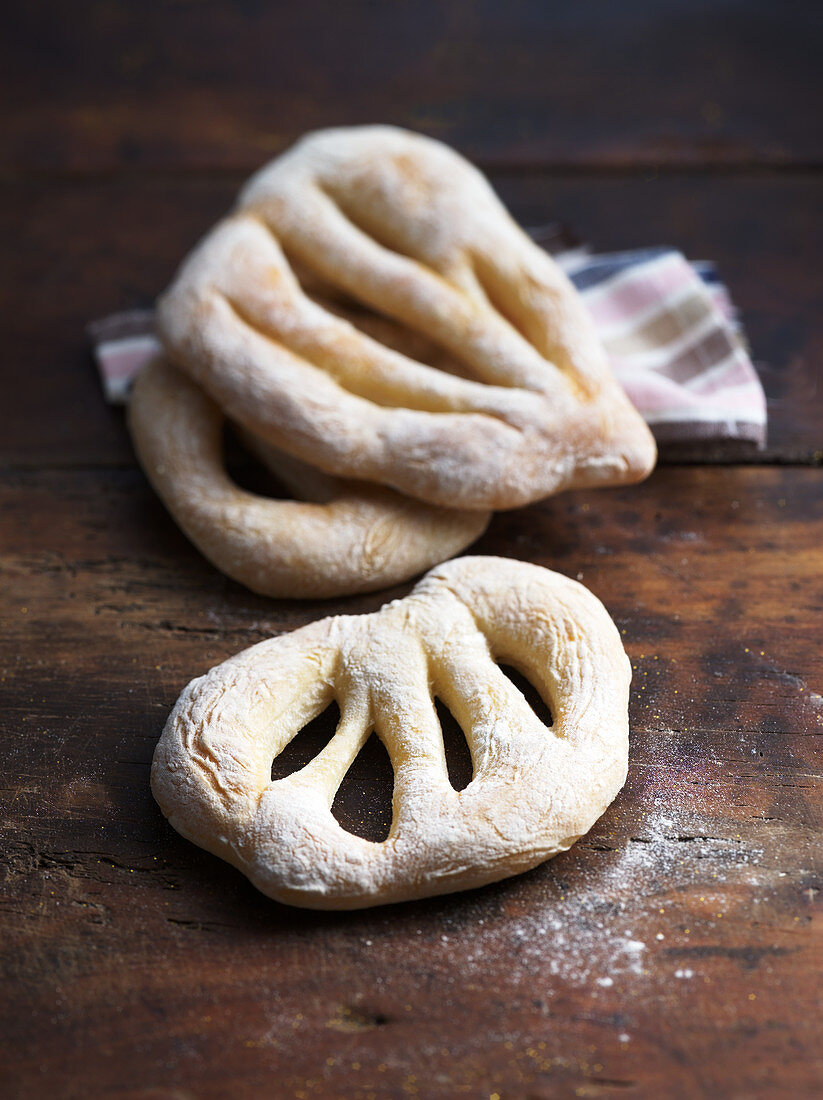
x=674 y=951
x=79 y=250
x=98 y=86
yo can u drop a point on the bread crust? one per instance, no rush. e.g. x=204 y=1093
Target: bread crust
x=339 y=538
x=535 y=789
x=404 y=226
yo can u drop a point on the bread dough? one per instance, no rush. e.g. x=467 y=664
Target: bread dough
x=534 y=791
x=351 y=537
x=401 y=224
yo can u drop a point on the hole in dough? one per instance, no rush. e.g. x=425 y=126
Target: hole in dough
x=363 y=803
x=385 y=330
x=248 y=472
x=531 y=694
x=394 y=335
x=381 y=327
x=308 y=743
x=458 y=754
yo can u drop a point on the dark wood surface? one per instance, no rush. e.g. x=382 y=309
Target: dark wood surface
x=673 y=952
x=105 y=84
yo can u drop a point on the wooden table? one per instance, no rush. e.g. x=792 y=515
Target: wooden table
x=675 y=951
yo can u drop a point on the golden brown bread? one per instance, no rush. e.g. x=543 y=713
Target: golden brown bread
x=404 y=226
x=350 y=537
x=535 y=788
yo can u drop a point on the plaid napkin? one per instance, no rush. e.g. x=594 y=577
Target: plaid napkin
x=668 y=326
x=675 y=343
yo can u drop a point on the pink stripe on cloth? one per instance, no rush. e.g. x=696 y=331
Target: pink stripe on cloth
x=734 y=373
x=720 y=296
x=124 y=362
x=638 y=290
x=658 y=396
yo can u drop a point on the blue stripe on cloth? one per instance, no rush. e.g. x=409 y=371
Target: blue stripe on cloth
x=707 y=271
x=597 y=269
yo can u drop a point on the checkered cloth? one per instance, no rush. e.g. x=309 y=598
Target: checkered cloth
x=668 y=325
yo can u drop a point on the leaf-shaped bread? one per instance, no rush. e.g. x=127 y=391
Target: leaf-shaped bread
x=535 y=788
x=264 y=315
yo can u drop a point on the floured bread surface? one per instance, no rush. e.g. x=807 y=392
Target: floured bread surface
x=518 y=400
x=535 y=789
x=351 y=537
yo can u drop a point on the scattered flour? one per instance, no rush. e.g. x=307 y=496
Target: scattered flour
x=583 y=934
